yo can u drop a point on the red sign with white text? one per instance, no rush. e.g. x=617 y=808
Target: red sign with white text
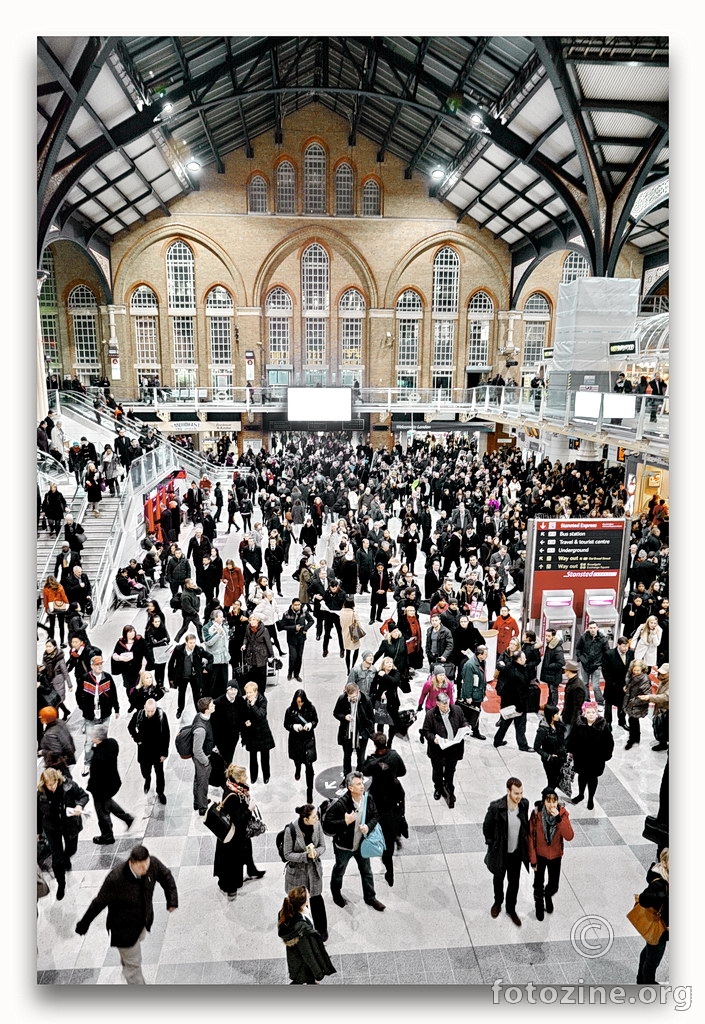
x=577 y=555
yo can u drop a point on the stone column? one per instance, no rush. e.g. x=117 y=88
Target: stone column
x=42 y=399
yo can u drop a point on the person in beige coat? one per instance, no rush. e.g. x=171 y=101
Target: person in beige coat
x=348 y=615
x=660 y=702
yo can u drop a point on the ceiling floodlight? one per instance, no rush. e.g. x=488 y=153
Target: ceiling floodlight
x=193 y=165
x=437 y=173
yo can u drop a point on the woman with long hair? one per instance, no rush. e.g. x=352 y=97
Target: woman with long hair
x=550 y=742
x=91 y=485
x=591 y=743
x=348 y=615
x=254 y=730
x=646 y=640
x=56 y=605
x=130 y=655
x=158 y=641
x=300 y=721
x=232 y=857
x=304 y=845
x=306 y=957
x=656 y=896
x=56 y=672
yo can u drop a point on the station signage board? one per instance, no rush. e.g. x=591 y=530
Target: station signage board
x=577 y=555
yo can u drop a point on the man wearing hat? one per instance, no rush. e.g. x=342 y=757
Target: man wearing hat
x=334 y=599
x=574 y=696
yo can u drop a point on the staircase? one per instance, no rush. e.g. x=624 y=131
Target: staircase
x=98 y=529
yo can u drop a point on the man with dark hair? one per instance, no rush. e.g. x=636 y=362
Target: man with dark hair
x=615 y=664
x=203 y=745
x=128 y=893
x=552 y=665
x=506 y=832
x=440 y=729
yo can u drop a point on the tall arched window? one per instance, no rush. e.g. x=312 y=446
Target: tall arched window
x=480 y=316
x=315 y=179
x=446 y=271
x=181 y=293
x=219 y=315
x=314 y=294
x=409 y=314
x=144 y=314
x=279 y=310
x=537 y=316
x=351 y=321
x=574 y=265
x=344 y=204
x=371 y=199
x=49 y=315
x=257 y=195
x=286 y=188
x=83 y=310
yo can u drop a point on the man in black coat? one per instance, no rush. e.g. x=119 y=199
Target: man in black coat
x=334 y=599
x=349 y=819
x=615 y=665
x=65 y=562
x=149 y=729
x=380 y=584
x=443 y=723
x=225 y=722
x=128 y=893
x=574 y=696
x=188 y=666
x=354 y=713
x=506 y=832
x=104 y=783
x=251 y=558
x=78 y=588
x=552 y=665
x=296 y=622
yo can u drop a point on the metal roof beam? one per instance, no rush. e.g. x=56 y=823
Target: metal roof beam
x=183 y=63
x=277 y=99
x=409 y=89
x=656 y=112
x=366 y=80
x=249 y=151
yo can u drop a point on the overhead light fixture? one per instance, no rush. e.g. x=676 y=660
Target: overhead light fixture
x=437 y=173
x=193 y=165
x=167 y=108
x=477 y=120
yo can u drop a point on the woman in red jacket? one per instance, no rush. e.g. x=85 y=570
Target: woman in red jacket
x=234 y=583
x=549 y=827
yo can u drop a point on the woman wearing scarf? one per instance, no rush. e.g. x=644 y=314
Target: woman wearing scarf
x=306 y=957
x=304 y=845
x=230 y=858
x=549 y=828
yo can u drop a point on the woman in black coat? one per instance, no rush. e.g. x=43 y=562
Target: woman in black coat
x=306 y=957
x=384 y=693
x=655 y=896
x=54 y=507
x=157 y=638
x=232 y=857
x=466 y=637
x=130 y=655
x=550 y=744
x=236 y=620
x=591 y=743
x=385 y=767
x=56 y=796
x=254 y=730
x=300 y=721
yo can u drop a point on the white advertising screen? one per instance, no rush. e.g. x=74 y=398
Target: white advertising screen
x=619 y=405
x=319 y=404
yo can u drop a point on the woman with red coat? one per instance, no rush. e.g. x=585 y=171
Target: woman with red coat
x=411 y=631
x=506 y=627
x=234 y=584
x=549 y=828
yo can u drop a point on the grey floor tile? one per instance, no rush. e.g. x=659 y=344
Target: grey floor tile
x=461 y=977
x=188 y=974
x=84 y=976
x=493 y=970
x=412 y=978
x=353 y=963
x=166 y=974
x=363 y=978
x=436 y=960
x=56 y=978
x=271 y=972
x=242 y=973
x=463 y=958
x=578 y=973
x=613 y=972
x=409 y=960
x=516 y=953
x=217 y=973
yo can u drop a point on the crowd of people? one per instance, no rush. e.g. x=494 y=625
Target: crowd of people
x=435 y=534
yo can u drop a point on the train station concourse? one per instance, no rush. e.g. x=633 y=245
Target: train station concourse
x=353 y=505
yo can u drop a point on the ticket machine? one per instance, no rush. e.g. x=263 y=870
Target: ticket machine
x=557 y=613
x=601 y=607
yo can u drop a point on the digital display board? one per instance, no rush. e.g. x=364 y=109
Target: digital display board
x=577 y=555
x=305 y=404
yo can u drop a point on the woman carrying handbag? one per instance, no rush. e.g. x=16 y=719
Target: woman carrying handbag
x=653 y=900
x=352 y=632
x=234 y=850
x=300 y=721
x=304 y=843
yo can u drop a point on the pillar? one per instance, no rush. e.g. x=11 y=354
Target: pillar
x=42 y=398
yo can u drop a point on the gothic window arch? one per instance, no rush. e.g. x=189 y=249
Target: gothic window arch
x=286 y=187
x=480 y=316
x=219 y=317
x=257 y=195
x=351 y=324
x=409 y=317
x=371 y=199
x=574 y=266
x=83 y=312
x=144 y=316
x=537 y=318
x=315 y=179
x=279 y=309
x=344 y=191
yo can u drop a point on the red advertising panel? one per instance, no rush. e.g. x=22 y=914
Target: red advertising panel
x=577 y=555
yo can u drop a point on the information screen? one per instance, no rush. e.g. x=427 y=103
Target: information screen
x=319 y=404
x=575 y=554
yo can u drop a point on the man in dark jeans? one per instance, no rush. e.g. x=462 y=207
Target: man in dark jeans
x=552 y=665
x=506 y=832
x=350 y=819
x=104 y=783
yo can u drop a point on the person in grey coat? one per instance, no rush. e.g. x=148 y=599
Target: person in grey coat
x=304 y=845
x=363 y=673
x=216 y=640
x=202 y=750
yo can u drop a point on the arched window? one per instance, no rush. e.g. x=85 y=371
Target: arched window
x=409 y=314
x=344 y=205
x=371 y=204
x=351 y=320
x=49 y=314
x=537 y=316
x=286 y=188
x=446 y=267
x=574 y=265
x=83 y=309
x=279 y=310
x=181 y=290
x=144 y=310
x=257 y=195
x=315 y=179
x=314 y=279
x=480 y=316
x=219 y=313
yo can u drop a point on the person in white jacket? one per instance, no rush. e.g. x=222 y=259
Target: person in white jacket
x=270 y=613
x=646 y=640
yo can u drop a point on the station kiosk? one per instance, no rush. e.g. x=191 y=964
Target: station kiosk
x=600 y=606
x=557 y=613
